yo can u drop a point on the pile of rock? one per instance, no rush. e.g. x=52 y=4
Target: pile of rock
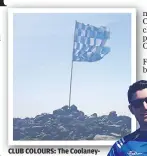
x=71 y=124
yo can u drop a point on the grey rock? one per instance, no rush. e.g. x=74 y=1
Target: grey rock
x=71 y=124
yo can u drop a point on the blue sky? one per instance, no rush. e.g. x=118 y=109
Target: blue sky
x=43 y=45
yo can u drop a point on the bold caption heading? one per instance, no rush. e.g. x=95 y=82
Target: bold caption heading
x=53 y=151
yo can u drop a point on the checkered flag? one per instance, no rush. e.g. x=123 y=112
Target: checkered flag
x=89 y=43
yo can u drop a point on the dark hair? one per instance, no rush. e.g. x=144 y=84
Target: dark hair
x=139 y=85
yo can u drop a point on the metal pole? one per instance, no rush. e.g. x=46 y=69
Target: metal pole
x=71 y=71
x=70 y=83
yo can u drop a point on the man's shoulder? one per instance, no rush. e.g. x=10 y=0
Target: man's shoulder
x=132 y=136
x=122 y=143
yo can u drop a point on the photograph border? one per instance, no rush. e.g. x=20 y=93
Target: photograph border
x=11 y=11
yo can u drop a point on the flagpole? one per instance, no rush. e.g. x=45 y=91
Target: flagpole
x=71 y=71
x=70 y=83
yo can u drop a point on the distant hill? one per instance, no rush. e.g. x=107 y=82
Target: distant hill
x=71 y=124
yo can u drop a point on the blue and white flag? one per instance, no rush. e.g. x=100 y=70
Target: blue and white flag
x=89 y=43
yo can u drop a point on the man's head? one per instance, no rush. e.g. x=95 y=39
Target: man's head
x=137 y=97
